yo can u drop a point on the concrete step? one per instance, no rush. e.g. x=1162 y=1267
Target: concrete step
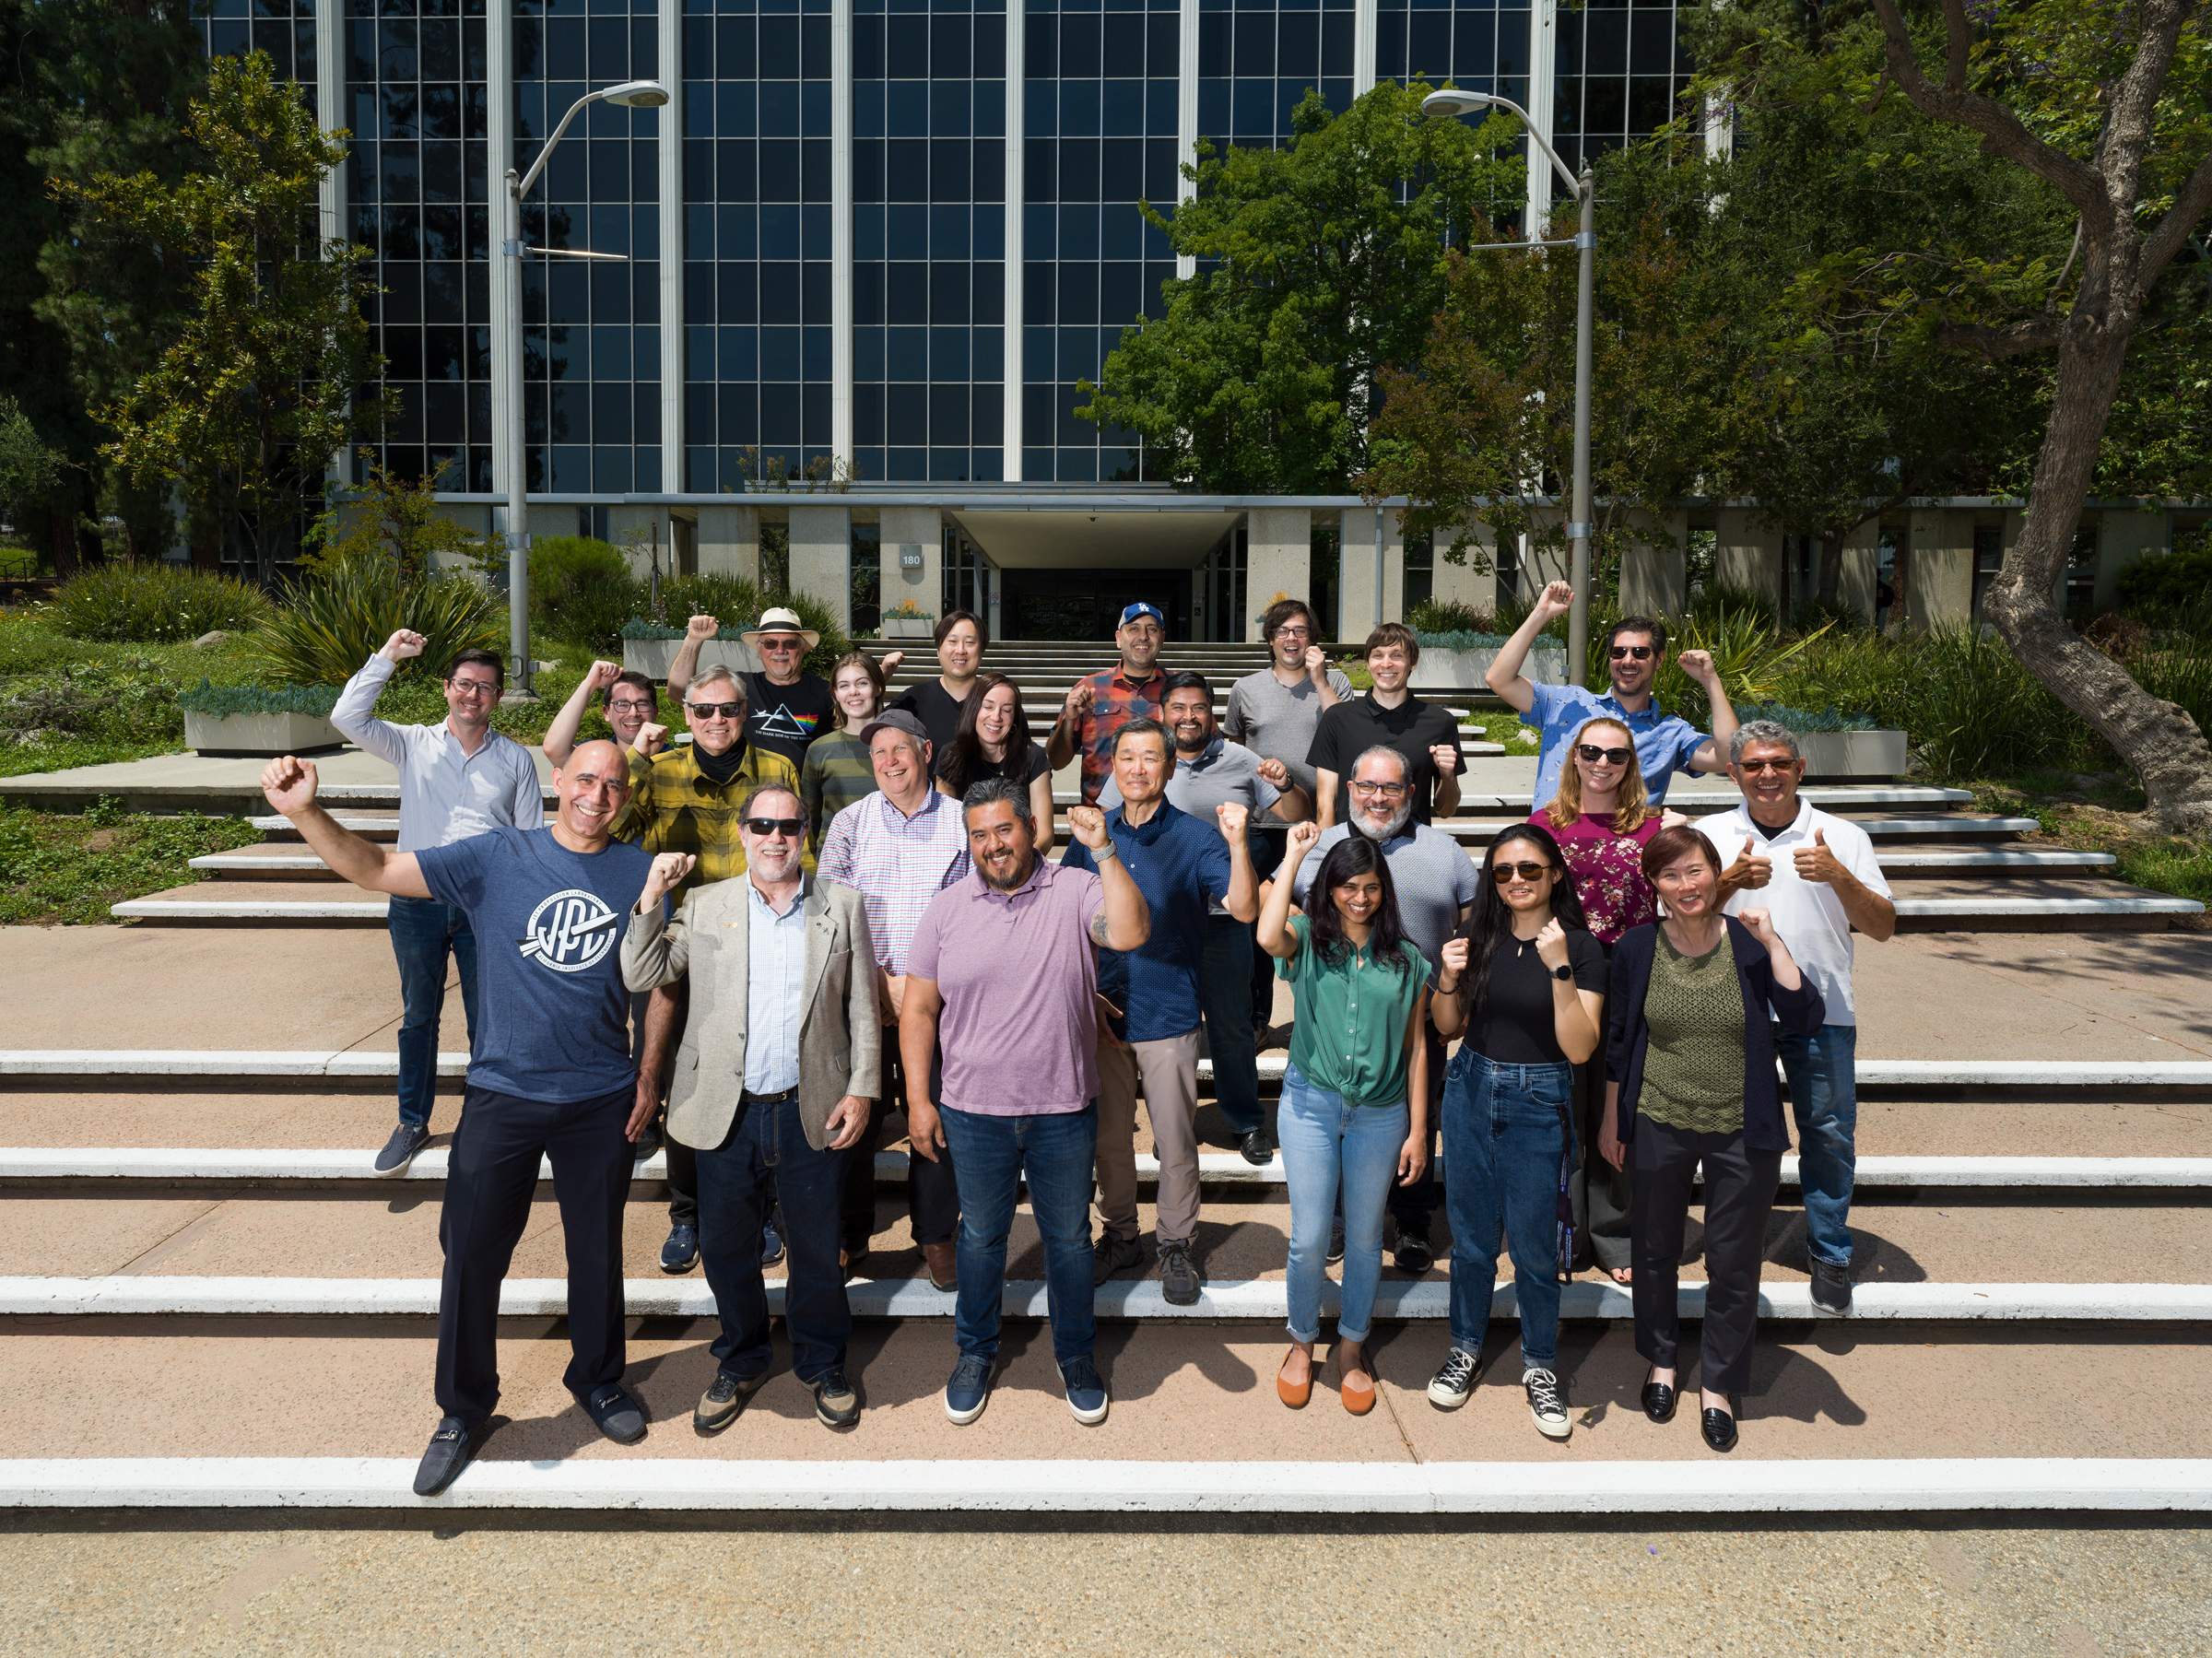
x=1916 y=862
x=2028 y=902
x=376 y=826
x=233 y=903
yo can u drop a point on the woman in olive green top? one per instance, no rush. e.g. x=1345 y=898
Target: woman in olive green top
x=837 y=772
x=1355 y=1094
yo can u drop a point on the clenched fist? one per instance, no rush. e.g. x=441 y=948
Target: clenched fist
x=668 y=868
x=289 y=784
x=1233 y=818
x=601 y=675
x=1556 y=600
x=1273 y=772
x=402 y=645
x=1697 y=665
x=702 y=628
x=1302 y=840
x=1088 y=824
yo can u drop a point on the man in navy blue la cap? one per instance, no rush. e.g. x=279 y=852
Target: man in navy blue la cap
x=1101 y=704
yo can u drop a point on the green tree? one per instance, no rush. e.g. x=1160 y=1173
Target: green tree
x=28 y=468
x=1320 y=266
x=396 y=524
x=264 y=380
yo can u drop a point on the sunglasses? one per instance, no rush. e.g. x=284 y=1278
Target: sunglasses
x=1754 y=766
x=776 y=826
x=1519 y=871
x=784 y=643
x=715 y=711
x=1638 y=652
x=1592 y=753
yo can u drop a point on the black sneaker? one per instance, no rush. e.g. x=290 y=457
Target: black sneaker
x=1548 y=1402
x=400 y=1149
x=1412 y=1251
x=1179 y=1278
x=1335 y=1240
x=1257 y=1150
x=835 y=1403
x=724 y=1399
x=1087 y=1400
x=452 y=1449
x=1448 y=1388
x=1111 y=1255
x=772 y=1244
x=681 y=1253
x=1832 y=1289
x=647 y=1142
x=614 y=1413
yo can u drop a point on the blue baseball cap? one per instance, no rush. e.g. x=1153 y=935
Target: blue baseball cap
x=1139 y=610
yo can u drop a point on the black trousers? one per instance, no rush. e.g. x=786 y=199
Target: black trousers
x=1267 y=845
x=932 y=1198
x=1740 y=1195
x=1411 y=1207
x=683 y=1162
x=491 y=1174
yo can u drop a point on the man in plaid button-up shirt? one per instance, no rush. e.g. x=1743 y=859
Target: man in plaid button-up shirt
x=1102 y=704
x=897 y=849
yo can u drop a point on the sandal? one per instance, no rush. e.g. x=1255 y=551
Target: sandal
x=1294 y=1394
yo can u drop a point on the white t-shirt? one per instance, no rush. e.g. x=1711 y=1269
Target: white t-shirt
x=1807 y=914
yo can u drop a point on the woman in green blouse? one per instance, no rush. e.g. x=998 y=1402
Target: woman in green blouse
x=1355 y=1094
x=837 y=772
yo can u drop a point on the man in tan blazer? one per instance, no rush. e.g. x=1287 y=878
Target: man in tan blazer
x=781 y=1052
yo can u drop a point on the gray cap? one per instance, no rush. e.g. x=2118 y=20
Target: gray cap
x=895 y=719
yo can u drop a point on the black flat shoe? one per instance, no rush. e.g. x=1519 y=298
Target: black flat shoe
x=1719 y=1426
x=452 y=1449
x=1658 y=1399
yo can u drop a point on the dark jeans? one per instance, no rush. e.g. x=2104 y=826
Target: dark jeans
x=1739 y=1195
x=1268 y=846
x=491 y=1175
x=1411 y=1207
x=1504 y=1134
x=1223 y=985
x=766 y=1158
x=932 y=1194
x=425 y=933
x=1056 y=1152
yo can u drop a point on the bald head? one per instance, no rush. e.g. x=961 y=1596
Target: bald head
x=593 y=788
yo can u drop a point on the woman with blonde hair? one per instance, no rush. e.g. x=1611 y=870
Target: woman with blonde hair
x=836 y=770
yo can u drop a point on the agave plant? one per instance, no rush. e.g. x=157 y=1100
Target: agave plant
x=336 y=621
x=1751 y=661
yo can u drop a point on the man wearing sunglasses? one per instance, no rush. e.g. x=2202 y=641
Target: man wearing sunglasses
x=456 y=779
x=790 y=707
x=781 y=1052
x=1635 y=649
x=1816 y=875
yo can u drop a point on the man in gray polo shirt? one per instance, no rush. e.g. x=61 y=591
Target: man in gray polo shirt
x=1211 y=771
x=1436 y=882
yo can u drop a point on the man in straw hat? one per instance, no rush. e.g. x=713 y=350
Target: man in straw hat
x=786 y=708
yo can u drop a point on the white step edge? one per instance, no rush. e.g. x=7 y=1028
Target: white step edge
x=165 y=1163
x=258 y=861
x=181 y=909
x=1237 y=1301
x=347 y=820
x=2011 y=858
x=1870 y=1485
x=2158 y=905
x=1878 y=829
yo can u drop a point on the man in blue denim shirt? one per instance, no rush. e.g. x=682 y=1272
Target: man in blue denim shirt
x=1635 y=647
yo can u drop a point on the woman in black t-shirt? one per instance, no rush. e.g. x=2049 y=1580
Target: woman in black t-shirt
x=1527 y=984
x=993 y=740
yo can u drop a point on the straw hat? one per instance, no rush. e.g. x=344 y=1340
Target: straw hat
x=780 y=620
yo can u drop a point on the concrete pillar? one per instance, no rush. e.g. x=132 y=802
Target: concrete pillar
x=1940 y=591
x=1278 y=550
x=1463 y=583
x=908 y=529
x=1357 y=556
x=2126 y=537
x=1746 y=552
x=1862 y=569
x=547 y=519
x=669 y=129
x=822 y=557
x=1654 y=574
x=1393 y=565
x=729 y=542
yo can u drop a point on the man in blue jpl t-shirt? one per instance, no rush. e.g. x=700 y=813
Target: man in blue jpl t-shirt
x=551 y=1076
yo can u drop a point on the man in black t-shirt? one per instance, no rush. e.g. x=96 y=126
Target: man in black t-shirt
x=785 y=709
x=1388 y=716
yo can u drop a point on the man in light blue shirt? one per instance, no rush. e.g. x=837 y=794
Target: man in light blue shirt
x=456 y=780
x=1635 y=647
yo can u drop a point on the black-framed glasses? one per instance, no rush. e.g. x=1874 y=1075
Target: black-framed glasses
x=1388 y=791
x=1288 y=632
x=1519 y=871
x=1638 y=652
x=472 y=687
x=776 y=826
x=630 y=705
x=709 y=710
x=1594 y=754
x=1754 y=766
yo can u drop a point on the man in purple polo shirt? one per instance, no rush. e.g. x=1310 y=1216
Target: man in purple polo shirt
x=1001 y=968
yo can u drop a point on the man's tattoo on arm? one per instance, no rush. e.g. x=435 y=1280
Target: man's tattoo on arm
x=1098 y=929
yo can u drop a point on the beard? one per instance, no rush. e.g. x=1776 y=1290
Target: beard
x=1388 y=827
x=1021 y=874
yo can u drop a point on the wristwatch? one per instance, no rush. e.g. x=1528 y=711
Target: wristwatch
x=1563 y=973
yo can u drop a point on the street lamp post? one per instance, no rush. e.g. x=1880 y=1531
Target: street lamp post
x=634 y=94
x=1454 y=102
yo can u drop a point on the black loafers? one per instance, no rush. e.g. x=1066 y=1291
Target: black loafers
x=1719 y=1426
x=1658 y=1400
x=452 y=1449
x=614 y=1413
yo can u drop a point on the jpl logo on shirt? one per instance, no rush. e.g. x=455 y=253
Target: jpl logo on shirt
x=570 y=932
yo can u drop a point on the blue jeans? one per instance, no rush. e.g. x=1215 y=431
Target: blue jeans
x=1326 y=1141
x=1225 y=997
x=1056 y=1152
x=1503 y=1140
x=766 y=1159
x=1822 y=1071
x=424 y=933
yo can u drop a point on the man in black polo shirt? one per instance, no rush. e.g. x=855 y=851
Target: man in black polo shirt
x=1389 y=716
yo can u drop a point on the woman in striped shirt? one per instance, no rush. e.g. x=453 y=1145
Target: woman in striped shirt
x=837 y=772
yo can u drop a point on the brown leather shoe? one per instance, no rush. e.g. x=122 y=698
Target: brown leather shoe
x=944 y=1270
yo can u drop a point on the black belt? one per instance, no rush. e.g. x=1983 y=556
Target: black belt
x=748 y=1097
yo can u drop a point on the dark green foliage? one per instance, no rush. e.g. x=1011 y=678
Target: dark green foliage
x=581 y=591
x=331 y=625
x=1441 y=616
x=128 y=702
x=224 y=699
x=2155 y=588
x=65 y=870
x=143 y=603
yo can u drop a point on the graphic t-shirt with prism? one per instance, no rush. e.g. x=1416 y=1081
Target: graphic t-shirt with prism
x=783 y=719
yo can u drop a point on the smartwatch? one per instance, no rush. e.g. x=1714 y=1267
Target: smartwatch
x=1563 y=973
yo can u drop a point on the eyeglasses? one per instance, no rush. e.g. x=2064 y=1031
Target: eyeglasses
x=782 y=643
x=1294 y=633
x=630 y=705
x=472 y=687
x=1388 y=791
x=1756 y=766
x=1592 y=753
x=1519 y=871
x=715 y=711
x=1638 y=652
x=776 y=826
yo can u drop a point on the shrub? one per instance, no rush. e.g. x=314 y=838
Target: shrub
x=2155 y=587
x=336 y=622
x=1441 y=616
x=221 y=699
x=146 y=603
x=581 y=591
x=1975 y=711
x=131 y=702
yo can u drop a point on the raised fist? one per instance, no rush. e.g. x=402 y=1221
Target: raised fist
x=407 y=642
x=1317 y=662
x=1557 y=599
x=702 y=628
x=1274 y=772
x=601 y=675
x=1697 y=665
x=1233 y=818
x=1551 y=944
x=1088 y=824
x=1079 y=701
x=1761 y=922
x=651 y=738
x=289 y=784
x=1302 y=838
x=668 y=868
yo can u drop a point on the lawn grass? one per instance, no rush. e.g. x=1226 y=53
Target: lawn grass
x=62 y=869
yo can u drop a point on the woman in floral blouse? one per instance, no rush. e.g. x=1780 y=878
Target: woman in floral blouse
x=1603 y=820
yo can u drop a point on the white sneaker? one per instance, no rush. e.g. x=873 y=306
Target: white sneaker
x=1450 y=1387
x=1547 y=1403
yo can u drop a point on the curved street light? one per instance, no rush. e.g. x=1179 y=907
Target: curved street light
x=1452 y=101
x=630 y=94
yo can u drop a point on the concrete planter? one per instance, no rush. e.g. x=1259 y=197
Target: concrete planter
x=255 y=735
x=1463 y=670
x=1853 y=753
x=910 y=627
x=652 y=657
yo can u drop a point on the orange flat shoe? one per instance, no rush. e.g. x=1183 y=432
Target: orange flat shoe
x=1358 y=1391
x=1294 y=1394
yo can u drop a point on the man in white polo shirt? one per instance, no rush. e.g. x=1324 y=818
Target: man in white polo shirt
x=1816 y=874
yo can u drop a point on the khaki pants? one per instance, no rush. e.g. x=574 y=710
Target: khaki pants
x=1170 y=1068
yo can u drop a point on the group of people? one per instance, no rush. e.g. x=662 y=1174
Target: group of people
x=761 y=947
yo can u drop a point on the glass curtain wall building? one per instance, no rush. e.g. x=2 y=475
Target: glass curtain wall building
x=891 y=235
